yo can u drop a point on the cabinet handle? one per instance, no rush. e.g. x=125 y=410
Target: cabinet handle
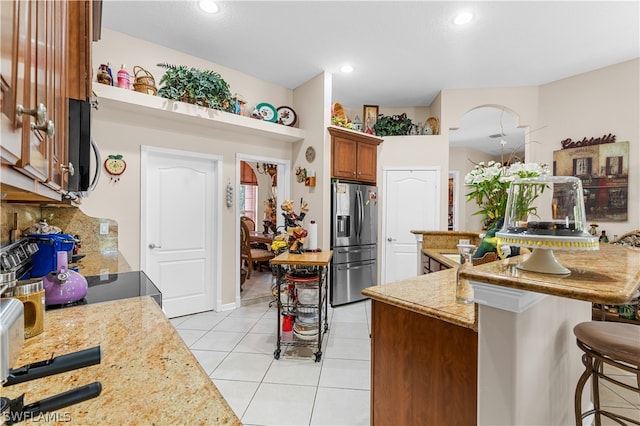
x=354 y=173
x=47 y=127
x=40 y=112
x=68 y=168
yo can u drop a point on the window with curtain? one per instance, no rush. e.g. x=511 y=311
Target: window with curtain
x=248 y=191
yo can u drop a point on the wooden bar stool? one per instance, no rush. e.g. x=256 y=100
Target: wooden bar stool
x=616 y=344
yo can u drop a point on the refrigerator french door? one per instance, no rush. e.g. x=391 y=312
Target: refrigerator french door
x=354 y=238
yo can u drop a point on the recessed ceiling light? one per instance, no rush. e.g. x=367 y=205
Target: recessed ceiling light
x=208 y=6
x=463 y=18
x=346 y=68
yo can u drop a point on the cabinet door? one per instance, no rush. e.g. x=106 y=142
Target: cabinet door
x=367 y=162
x=57 y=93
x=35 y=143
x=14 y=37
x=80 y=13
x=343 y=158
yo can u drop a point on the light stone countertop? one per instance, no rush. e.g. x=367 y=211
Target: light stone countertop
x=610 y=275
x=148 y=374
x=432 y=294
x=440 y=256
x=96 y=262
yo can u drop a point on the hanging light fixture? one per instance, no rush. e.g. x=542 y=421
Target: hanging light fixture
x=267 y=169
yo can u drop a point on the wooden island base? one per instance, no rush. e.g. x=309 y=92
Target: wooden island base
x=423 y=369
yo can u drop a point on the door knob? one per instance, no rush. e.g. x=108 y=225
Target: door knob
x=40 y=112
x=391 y=239
x=152 y=246
x=47 y=127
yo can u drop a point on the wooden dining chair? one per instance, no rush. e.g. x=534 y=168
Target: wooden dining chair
x=251 y=254
x=252 y=227
x=249 y=221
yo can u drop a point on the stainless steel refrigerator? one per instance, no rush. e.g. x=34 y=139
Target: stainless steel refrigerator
x=354 y=241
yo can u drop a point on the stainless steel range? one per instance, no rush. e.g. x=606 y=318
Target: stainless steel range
x=17 y=257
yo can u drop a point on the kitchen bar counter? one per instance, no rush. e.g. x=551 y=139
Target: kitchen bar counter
x=148 y=374
x=418 y=332
x=610 y=275
x=424 y=348
x=528 y=360
x=433 y=295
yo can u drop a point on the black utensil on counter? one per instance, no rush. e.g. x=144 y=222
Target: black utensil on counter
x=56 y=365
x=18 y=412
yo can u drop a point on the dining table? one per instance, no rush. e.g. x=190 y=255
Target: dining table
x=261 y=237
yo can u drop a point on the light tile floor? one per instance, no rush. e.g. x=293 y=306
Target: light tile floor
x=236 y=349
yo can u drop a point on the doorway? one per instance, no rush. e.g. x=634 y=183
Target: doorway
x=180 y=205
x=411 y=202
x=269 y=191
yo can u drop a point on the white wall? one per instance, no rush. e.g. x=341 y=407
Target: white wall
x=313 y=100
x=117 y=48
x=592 y=105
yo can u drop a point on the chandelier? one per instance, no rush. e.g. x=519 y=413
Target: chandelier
x=267 y=169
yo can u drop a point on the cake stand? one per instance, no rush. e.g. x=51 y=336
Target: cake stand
x=544 y=224
x=542 y=258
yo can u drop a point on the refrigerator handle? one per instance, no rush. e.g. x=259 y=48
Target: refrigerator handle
x=360 y=212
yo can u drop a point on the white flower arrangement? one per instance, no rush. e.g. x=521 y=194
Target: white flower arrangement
x=490 y=186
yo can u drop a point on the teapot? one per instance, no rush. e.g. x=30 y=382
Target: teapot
x=64 y=285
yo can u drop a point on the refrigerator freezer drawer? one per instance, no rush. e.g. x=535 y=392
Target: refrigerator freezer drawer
x=354 y=254
x=349 y=279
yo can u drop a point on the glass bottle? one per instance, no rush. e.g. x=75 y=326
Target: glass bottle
x=464 y=290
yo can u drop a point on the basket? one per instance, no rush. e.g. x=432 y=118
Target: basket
x=144 y=81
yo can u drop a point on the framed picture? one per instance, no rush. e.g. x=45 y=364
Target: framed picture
x=369 y=116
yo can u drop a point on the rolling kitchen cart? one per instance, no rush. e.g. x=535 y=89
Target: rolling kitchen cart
x=300 y=276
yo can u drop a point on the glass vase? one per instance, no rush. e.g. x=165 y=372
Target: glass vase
x=464 y=290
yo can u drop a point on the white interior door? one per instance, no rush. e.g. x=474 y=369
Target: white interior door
x=179 y=189
x=411 y=202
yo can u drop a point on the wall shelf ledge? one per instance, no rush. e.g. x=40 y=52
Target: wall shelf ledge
x=133 y=102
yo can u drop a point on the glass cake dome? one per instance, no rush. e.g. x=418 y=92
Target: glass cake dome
x=546 y=213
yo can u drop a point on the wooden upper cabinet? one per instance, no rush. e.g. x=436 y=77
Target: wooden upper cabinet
x=13 y=33
x=46 y=59
x=36 y=146
x=58 y=90
x=354 y=155
x=80 y=15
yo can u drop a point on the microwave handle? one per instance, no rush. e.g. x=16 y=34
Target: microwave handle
x=96 y=176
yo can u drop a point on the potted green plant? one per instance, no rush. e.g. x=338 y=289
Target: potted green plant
x=205 y=88
x=392 y=125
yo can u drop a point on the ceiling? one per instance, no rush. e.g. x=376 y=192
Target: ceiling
x=403 y=52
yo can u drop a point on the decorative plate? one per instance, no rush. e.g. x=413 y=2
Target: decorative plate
x=287 y=116
x=267 y=111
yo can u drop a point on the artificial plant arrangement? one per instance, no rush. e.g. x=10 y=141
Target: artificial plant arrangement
x=191 y=85
x=392 y=125
x=489 y=185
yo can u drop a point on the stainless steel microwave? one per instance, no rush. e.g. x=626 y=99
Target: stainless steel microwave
x=86 y=168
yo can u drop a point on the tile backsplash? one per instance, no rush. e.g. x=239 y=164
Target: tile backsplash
x=71 y=220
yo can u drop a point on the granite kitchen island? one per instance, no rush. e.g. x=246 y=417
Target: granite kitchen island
x=147 y=373
x=434 y=361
